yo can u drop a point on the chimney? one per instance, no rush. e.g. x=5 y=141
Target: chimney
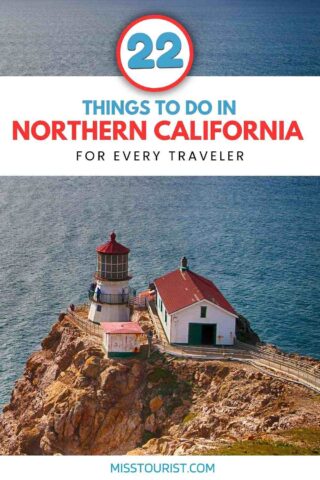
x=184 y=264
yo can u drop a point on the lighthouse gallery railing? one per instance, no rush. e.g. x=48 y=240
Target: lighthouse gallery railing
x=110 y=298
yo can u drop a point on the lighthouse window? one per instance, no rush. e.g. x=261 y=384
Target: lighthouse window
x=165 y=317
x=203 y=313
x=113 y=267
x=98 y=308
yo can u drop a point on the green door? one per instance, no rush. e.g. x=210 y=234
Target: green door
x=195 y=334
x=202 y=334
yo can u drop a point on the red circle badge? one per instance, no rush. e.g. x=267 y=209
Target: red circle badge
x=155 y=53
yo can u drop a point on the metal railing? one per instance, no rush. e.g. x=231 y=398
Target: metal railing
x=110 y=298
x=297 y=369
x=89 y=327
x=293 y=370
x=307 y=378
x=226 y=352
x=138 y=302
x=160 y=333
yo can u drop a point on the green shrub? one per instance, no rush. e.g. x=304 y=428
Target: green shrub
x=189 y=417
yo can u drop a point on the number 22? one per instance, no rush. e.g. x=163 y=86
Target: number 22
x=167 y=60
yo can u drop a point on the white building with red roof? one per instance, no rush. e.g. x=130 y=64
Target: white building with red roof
x=122 y=339
x=192 y=309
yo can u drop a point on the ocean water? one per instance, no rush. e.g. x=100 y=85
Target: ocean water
x=257 y=238
x=232 y=37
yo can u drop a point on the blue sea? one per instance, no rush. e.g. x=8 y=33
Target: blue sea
x=231 y=37
x=257 y=238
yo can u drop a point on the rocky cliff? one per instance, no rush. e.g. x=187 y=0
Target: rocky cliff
x=73 y=400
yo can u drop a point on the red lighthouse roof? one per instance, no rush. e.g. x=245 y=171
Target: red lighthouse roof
x=180 y=289
x=113 y=247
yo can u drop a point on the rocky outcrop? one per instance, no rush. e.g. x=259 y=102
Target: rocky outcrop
x=244 y=332
x=228 y=403
x=71 y=399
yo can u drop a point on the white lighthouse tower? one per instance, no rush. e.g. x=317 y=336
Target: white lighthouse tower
x=109 y=295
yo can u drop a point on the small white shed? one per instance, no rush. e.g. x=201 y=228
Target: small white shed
x=122 y=339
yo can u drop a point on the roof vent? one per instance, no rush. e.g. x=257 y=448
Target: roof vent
x=184 y=264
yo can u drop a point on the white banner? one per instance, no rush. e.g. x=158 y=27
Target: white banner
x=256 y=126
x=179 y=468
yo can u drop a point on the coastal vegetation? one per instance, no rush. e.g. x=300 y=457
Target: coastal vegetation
x=300 y=441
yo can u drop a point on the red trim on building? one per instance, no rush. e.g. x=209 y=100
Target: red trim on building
x=182 y=288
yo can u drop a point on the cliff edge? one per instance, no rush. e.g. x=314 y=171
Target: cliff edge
x=71 y=399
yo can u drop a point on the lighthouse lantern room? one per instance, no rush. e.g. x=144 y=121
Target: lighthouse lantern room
x=109 y=293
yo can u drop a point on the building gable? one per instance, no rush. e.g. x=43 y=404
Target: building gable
x=207 y=303
x=182 y=288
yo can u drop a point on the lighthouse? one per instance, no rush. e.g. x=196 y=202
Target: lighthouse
x=109 y=293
